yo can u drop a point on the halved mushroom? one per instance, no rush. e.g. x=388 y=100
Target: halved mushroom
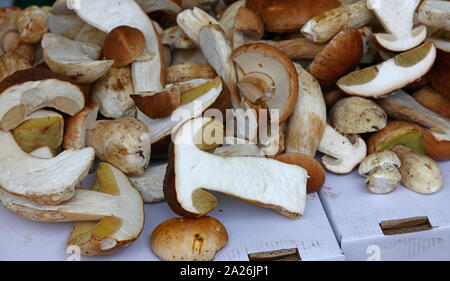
x=435 y=13
x=112 y=92
x=150 y=184
x=105 y=15
x=42 y=128
x=158 y=105
x=182 y=239
x=124 y=44
x=65 y=25
x=401 y=106
x=397 y=19
x=433 y=100
x=46 y=181
x=168 y=6
x=290 y=15
x=123 y=142
x=189 y=71
x=76 y=127
x=307 y=123
x=390 y=75
x=323 y=27
x=77 y=60
x=108 y=218
x=192 y=21
x=249 y=23
x=339 y=57
x=255 y=85
x=263 y=58
x=356 y=115
x=343 y=153
x=227 y=18
x=381 y=172
x=186 y=176
x=397 y=132
x=174 y=36
x=419 y=172
x=29 y=90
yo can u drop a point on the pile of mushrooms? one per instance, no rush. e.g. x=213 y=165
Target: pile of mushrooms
x=175 y=98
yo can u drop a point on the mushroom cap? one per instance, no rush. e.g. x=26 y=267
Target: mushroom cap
x=340 y=56
x=183 y=239
x=76 y=127
x=433 y=100
x=356 y=115
x=436 y=149
x=379 y=160
x=260 y=57
x=158 y=105
x=289 y=15
x=439 y=74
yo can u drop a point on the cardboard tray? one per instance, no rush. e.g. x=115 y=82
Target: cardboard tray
x=253 y=231
x=401 y=225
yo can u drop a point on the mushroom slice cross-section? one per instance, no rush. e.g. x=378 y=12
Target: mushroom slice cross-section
x=106 y=15
x=390 y=75
x=29 y=90
x=435 y=14
x=108 y=218
x=47 y=181
x=260 y=57
x=397 y=18
x=262 y=181
x=78 y=60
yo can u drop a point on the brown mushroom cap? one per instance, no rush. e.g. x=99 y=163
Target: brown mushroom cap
x=439 y=74
x=340 y=56
x=289 y=15
x=158 y=105
x=438 y=150
x=433 y=100
x=124 y=44
x=188 y=239
x=315 y=171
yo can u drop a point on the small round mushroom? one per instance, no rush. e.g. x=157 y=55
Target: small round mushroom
x=32 y=24
x=182 y=239
x=356 y=115
x=381 y=172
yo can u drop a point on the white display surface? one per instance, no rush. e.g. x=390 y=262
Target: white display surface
x=251 y=229
x=356 y=214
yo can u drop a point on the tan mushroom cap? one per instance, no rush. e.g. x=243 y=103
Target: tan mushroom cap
x=259 y=57
x=289 y=15
x=188 y=239
x=123 y=45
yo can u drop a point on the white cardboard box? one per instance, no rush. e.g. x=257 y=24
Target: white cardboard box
x=355 y=215
x=251 y=229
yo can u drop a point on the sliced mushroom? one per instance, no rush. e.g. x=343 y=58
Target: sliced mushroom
x=124 y=44
x=339 y=57
x=233 y=146
x=228 y=16
x=46 y=181
x=108 y=218
x=76 y=127
x=174 y=36
x=298 y=48
x=183 y=186
x=12 y=62
x=180 y=56
x=90 y=34
x=419 y=172
x=192 y=21
x=433 y=100
x=189 y=71
x=42 y=128
x=124 y=143
x=355 y=115
x=258 y=57
x=306 y=125
x=112 y=92
x=401 y=106
x=150 y=184
x=32 y=24
x=159 y=105
x=397 y=19
x=65 y=25
x=343 y=153
x=29 y=90
x=147 y=75
x=77 y=60
x=435 y=14
x=381 y=172
x=390 y=75
x=397 y=132
x=323 y=27
x=183 y=239
x=291 y=15
x=255 y=85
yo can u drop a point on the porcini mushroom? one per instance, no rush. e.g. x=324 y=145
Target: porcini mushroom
x=29 y=90
x=158 y=105
x=150 y=184
x=433 y=100
x=77 y=60
x=390 y=75
x=108 y=218
x=46 y=181
x=123 y=142
x=124 y=44
x=65 y=25
x=175 y=37
x=249 y=23
x=192 y=21
x=356 y=115
x=188 y=71
x=381 y=172
x=342 y=153
x=435 y=13
x=44 y=152
x=183 y=185
x=77 y=125
x=438 y=74
x=184 y=239
x=397 y=19
x=419 y=172
x=32 y=24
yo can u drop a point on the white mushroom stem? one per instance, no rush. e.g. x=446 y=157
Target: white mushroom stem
x=343 y=153
x=435 y=14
